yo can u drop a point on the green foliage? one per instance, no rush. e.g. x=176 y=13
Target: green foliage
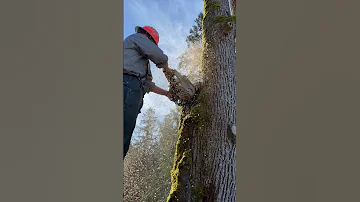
x=221 y=19
x=142 y=156
x=195 y=31
x=197 y=194
x=148 y=126
x=168 y=137
x=210 y=6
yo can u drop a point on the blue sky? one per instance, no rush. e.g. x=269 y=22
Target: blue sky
x=172 y=19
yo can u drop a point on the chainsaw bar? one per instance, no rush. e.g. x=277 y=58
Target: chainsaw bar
x=181 y=87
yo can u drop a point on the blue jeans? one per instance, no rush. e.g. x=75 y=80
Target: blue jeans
x=133 y=101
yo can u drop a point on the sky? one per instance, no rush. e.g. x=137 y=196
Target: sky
x=172 y=19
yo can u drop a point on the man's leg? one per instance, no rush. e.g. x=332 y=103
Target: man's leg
x=133 y=97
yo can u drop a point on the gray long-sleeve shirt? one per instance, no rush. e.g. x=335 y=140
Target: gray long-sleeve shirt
x=138 y=50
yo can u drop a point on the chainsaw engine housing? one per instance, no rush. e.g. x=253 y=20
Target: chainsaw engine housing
x=180 y=86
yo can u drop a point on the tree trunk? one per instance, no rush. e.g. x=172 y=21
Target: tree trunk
x=204 y=163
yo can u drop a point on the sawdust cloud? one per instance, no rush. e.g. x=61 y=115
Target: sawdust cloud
x=190 y=62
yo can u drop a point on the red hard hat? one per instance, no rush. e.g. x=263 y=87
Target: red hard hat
x=153 y=33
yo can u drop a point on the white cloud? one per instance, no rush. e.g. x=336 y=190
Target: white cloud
x=173 y=20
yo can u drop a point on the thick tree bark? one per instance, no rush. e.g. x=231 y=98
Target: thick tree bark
x=204 y=163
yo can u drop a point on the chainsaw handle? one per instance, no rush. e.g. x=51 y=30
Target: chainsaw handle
x=169 y=73
x=165 y=68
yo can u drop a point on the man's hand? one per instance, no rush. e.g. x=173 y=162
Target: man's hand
x=160 y=91
x=171 y=96
x=164 y=67
x=167 y=72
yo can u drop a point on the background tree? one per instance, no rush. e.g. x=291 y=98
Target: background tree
x=148 y=163
x=196 y=30
x=168 y=136
x=140 y=165
x=204 y=163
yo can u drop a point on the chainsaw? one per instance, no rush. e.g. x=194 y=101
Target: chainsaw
x=180 y=87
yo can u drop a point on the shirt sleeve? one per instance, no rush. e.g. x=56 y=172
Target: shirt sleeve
x=150 y=50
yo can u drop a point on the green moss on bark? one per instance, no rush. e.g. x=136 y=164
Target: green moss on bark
x=210 y=6
x=176 y=172
x=182 y=160
x=223 y=18
x=198 y=194
x=192 y=117
x=198 y=114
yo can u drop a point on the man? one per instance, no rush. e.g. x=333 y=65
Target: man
x=139 y=49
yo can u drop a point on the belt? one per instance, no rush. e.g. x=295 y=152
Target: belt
x=133 y=74
x=130 y=73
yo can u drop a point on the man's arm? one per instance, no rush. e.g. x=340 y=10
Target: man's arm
x=156 y=55
x=151 y=50
x=159 y=90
